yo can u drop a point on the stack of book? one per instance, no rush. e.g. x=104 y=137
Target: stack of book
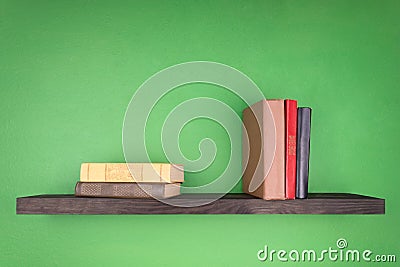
x=287 y=177
x=129 y=180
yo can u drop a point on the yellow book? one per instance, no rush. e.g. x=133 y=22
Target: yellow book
x=132 y=172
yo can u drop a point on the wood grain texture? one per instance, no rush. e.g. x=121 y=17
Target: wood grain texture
x=323 y=203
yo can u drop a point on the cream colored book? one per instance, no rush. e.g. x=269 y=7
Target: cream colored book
x=132 y=172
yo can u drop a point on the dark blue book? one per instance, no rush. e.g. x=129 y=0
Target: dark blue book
x=303 y=151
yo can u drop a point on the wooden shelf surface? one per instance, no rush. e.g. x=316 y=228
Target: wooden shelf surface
x=317 y=203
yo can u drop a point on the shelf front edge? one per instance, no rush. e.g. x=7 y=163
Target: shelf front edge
x=239 y=204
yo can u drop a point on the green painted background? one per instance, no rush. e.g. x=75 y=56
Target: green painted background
x=69 y=68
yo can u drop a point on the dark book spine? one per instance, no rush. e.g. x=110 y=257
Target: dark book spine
x=118 y=190
x=303 y=151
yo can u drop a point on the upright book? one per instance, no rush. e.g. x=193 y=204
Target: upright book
x=303 y=151
x=260 y=125
x=290 y=139
x=122 y=172
x=127 y=190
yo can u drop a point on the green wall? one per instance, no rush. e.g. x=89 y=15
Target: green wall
x=69 y=68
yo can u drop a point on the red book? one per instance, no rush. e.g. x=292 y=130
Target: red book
x=290 y=139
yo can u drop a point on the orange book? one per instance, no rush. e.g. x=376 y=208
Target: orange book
x=264 y=149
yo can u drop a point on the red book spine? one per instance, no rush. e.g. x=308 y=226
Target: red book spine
x=290 y=137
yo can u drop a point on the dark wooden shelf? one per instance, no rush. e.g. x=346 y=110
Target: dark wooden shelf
x=321 y=203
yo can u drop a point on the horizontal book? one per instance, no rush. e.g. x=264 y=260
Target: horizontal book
x=127 y=190
x=132 y=172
